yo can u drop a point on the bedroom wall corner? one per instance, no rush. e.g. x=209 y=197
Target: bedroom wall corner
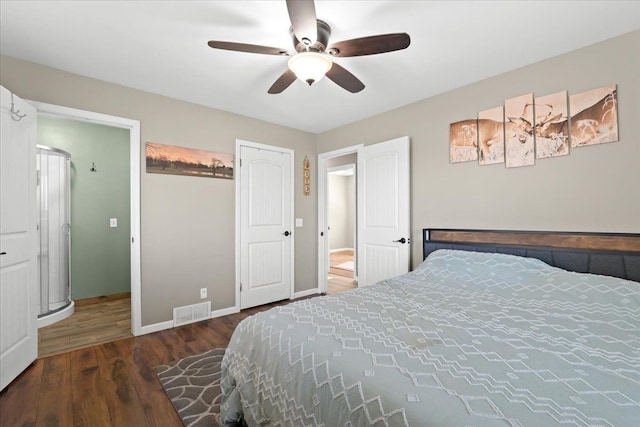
x=187 y=223
x=595 y=188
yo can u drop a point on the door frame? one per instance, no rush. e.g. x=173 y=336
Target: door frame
x=353 y=168
x=323 y=237
x=243 y=143
x=57 y=111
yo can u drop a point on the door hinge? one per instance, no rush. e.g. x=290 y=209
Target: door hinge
x=240 y=162
x=240 y=287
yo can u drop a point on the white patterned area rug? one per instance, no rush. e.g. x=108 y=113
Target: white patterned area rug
x=193 y=385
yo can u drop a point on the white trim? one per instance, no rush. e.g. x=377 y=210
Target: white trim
x=314 y=291
x=155 y=327
x=224 y=312
x=340 y=250
x=350 y=167
x=323 y=241
x=148 y=329
x=241 y=143
x=133 y=126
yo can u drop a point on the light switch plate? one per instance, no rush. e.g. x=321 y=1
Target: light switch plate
x=299 y=222
x=113 y=222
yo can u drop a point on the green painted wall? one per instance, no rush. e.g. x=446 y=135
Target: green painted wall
x=100 y=255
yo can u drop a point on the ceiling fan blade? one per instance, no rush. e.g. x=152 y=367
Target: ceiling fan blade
x=283 y=82
x=344 y=79
x=250 y=48
x=302 y=14
x=371 y=45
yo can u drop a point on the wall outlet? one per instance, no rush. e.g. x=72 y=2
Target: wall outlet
x=203 y=293
x=113 y=222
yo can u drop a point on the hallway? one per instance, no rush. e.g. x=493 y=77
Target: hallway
x=341 y=272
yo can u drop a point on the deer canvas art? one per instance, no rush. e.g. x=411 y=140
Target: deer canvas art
x=519 y=139
x=463 y=141
x=552 y=125
x=594 y=116
x=491 y=136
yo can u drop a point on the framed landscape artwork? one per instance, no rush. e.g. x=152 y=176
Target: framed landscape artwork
x=173 y=160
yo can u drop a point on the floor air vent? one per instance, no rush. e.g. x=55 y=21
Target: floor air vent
x=191 y=313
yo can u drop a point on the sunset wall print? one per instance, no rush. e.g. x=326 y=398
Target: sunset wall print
x=173 y=160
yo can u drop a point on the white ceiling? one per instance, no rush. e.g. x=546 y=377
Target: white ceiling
x=161 y=47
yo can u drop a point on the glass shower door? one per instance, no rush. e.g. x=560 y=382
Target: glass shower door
x=54 y=202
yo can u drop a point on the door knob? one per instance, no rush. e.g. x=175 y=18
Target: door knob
x=403 y=240
x=286 y=233
x=3 y=253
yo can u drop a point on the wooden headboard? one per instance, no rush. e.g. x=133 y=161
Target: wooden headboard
x=610 y=254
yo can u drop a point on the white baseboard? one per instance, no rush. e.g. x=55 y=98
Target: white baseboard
x=149 y=329
x=156 y=327
x=314 y=291
x=340 y=250
x=224 y=312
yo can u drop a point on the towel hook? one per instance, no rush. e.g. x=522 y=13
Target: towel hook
x=15 y=114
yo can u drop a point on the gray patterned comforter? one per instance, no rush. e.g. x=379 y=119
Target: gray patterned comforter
x=466 y=339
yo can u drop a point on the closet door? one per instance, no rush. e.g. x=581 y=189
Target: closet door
x=266 y=233
x=18 y=237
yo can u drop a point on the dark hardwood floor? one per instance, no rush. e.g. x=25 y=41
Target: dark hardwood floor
x=111 y=384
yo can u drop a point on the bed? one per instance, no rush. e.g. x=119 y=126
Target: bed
x=491 y=329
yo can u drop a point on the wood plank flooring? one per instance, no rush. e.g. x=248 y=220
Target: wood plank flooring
x=111 y=384
x=99 y=321
x=337 y=284
x=336 y=259
x=340 y=279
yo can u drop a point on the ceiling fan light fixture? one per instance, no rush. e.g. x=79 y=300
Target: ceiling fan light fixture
x=310 y=66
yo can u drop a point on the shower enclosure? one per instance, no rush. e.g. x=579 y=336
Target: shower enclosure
x=54 y=260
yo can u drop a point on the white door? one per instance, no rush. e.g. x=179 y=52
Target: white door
x=18 y=238
x=266 y=215
x=383 y=211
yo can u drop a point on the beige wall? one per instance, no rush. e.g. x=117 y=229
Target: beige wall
x=187 y=223
x=593 y=189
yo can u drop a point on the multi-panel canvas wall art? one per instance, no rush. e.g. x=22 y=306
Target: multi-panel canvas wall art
x=552 y=125
x=169 y=159
x=463 y=142
x=526 y=129
x=491 y=136
x=594 y=116
x=519 y=140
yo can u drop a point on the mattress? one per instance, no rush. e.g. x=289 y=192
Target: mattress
x=465 y=339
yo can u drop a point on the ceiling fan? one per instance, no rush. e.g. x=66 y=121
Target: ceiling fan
x=311 y=59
